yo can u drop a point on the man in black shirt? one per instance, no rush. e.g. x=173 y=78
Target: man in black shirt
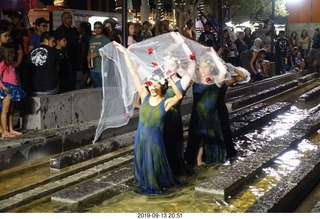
x=43 y=65
x=208 y=37
x=281 y=49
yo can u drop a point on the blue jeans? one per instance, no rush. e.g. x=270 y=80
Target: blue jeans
x=96 y=79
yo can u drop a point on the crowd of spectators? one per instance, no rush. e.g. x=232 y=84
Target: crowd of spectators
x=71 y=53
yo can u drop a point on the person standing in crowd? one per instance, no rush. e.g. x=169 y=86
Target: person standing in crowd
x=109 y=30
x=248 y=37
x=230 y=52
x=10 y=91
x=4 y=38
x=151 y=168
x=293 y=40
x=131 y=35
x=205 y=139
x=72 y=49
x=42 y=62
x=64 y=69
x=304 y=43
x=241 y=47
x=207 y=37
x=260 y=32
x=85 y=36
x=315 y=50
x=146 y=32
x=94 y=59
x=41 y=26
x=188 y=31
x=19 y=31
x=281 y=52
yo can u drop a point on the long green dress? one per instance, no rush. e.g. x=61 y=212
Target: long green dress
x=173 y=135
x=151 y=168
x=205 y=126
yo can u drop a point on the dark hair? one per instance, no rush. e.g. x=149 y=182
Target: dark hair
x=46 y=36
x=146 y=22
x=86 y=26
x=189 y=21
x=302 y=33
x=4 y=29
x=317 y=29
x=5 y=52
x=98 y=23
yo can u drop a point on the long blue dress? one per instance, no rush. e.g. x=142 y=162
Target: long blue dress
x=151 y=168
x=173 y=134
x=205 y=126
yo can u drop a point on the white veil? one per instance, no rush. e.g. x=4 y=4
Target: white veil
x=148 y=58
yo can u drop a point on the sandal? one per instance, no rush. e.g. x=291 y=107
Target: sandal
x=15 y=133
x=7 y=135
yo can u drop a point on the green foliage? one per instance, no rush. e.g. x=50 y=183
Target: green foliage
x=248 y=6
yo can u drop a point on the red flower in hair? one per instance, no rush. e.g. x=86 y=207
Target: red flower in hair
x=148 y=83
x=208 y=79
x=192 y=56
x=154 y=64
x=150 y=50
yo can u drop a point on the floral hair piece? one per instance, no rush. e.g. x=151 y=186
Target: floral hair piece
x=156 y=78
x=148 y=83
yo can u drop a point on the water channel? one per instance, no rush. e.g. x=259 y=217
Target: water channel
x=184 y=198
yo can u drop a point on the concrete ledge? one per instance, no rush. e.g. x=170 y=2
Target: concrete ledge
x=309 y=77
x=91 y=151
x=54 y=111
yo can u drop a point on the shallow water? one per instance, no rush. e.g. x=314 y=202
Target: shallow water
x=184 y=198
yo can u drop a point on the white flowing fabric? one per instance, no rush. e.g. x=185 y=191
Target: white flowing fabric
x=148 y=58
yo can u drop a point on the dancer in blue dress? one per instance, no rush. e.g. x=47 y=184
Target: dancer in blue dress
x=151 y=168
x=205 y=139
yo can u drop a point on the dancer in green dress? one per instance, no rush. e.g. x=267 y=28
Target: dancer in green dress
x=151 y=168
x=205 y=140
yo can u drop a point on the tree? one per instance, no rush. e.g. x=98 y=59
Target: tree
x=186 y=10
x=252 y=8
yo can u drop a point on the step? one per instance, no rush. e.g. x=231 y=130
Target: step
x=310 y=94
x=91 y=151
x=109 y=182
x=254 y=97
x=57 y=185
x=230 y=180
x=249 y=119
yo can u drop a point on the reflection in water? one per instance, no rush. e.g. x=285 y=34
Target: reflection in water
x=186 y=199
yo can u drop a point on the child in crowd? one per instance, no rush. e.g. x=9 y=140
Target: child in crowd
x=10 y=91
x=64 y=72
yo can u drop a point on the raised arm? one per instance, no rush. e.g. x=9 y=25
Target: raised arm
x=186 y=79
x=176 y=98
x=143 y=91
